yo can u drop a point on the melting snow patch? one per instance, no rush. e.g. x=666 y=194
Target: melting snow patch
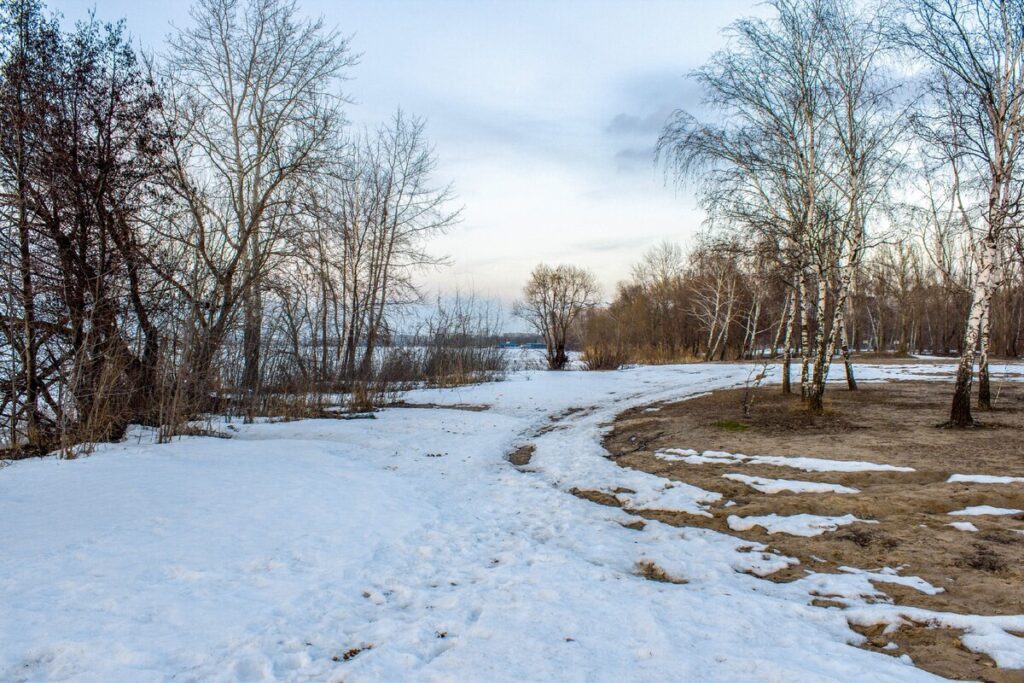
x=985 y=634
x=963 y=526
x=794 y=525
x=692 y=457
x=983 y=479
x=890 y=575
x=976 y=510
x=658 y=494
x=778 y=485
x=825 y=465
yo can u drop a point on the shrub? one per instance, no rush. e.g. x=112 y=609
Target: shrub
x=604 y=356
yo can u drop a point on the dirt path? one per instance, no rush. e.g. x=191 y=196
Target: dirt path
x=980 y=571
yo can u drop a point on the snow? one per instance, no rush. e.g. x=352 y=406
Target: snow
x=984 y=510
x=824 y=464
x=985 y=634
x=891 y=575
x=779 y=485
x=963 y=526
x=271 y=555
x=692 y=457
x=795 y=525
x=654 y=493
x=983 y=479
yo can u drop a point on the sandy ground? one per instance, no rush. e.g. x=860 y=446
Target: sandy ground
x=981 y=572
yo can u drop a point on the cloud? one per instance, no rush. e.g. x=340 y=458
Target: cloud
x=630 y=159
x=631 y=124
x=597 y=246
x=650 y=97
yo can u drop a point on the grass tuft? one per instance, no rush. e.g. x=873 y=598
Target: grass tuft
x=732 y=426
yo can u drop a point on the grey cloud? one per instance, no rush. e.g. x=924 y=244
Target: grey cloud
x=660 y=92
x=631 y=124
x=634 y=158
x=662 y=88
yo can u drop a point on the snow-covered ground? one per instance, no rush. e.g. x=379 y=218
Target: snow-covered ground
x=407 y=548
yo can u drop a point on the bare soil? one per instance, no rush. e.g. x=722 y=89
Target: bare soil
x=893 y=423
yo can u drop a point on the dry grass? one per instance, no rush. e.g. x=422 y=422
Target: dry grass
x=651 y=571
x=522 y=455
x=604 y=356
x=893 y=423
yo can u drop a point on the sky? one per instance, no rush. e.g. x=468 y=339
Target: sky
x=544 y=116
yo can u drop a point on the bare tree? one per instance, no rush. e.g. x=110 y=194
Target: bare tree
x=976 y=49
x=202 y=230
x=552 y=301
x=253 y=104
x=715 y=299
x=800 y=159
x=758 y=164
x=82 y=150
x=31 y=42
x=865 y=131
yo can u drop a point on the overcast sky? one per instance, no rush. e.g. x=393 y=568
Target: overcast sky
x=543 y=114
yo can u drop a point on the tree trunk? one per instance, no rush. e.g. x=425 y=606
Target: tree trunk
x=29 y=350
x=32 y=433
x=750 y=335
x=851 y=381
x=251 y=343
x=960 y=411
x=561 y=358
x=805 y=320
x=787 y=349
x=984 y=385
x=822 y=350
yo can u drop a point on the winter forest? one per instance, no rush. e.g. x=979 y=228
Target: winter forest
x=245 y=437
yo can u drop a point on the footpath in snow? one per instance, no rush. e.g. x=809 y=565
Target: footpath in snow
x=408 y=548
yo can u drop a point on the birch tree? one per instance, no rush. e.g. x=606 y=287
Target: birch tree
x=865 y=131
x=976 y=51
x=759 y=165
x=803 y=160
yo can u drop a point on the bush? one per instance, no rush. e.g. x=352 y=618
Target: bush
x=604 y=356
